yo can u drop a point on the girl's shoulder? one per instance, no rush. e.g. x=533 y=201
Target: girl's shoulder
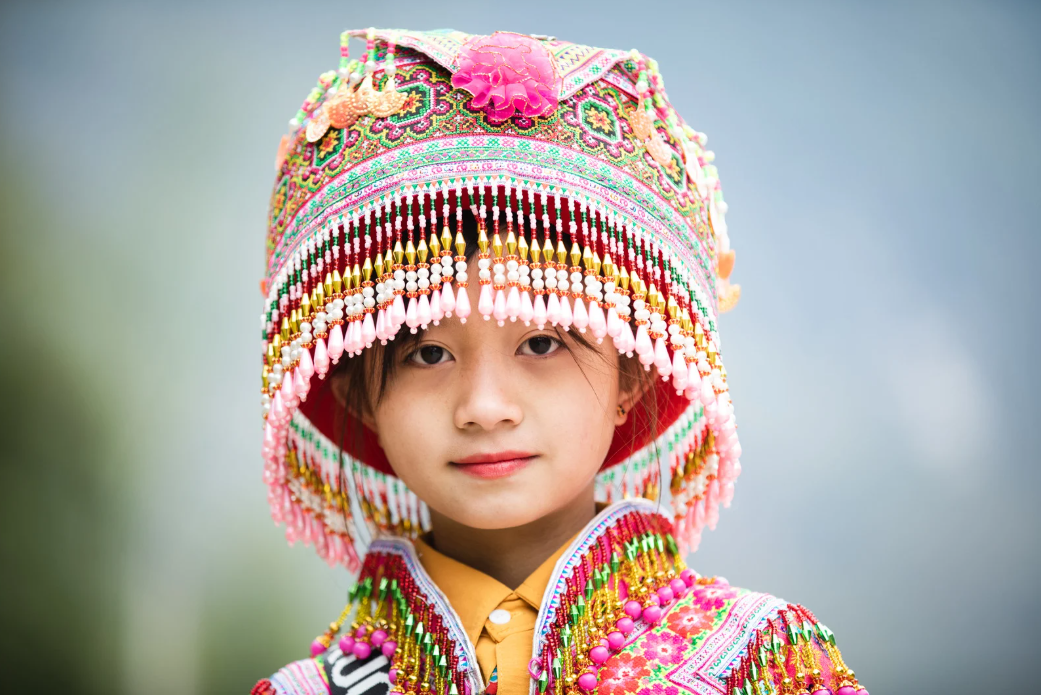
x=720 y=638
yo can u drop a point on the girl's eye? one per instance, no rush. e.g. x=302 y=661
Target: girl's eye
x=539 y=345
x=430 y=354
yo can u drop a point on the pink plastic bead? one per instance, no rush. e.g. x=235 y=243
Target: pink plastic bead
x=615 y=640
x=822 y=691
x=359 y=633
x=388 y=648
x=393 y=676
x=688 y=577
x=633 y=609
x=587 y=681
x=625 y=625
x=378 y=638
x=846 y=690
x=678 y=587
x=665 y=594
x=362 y=650
x=598 y=655
x=317 y=648
x=346 y=644
x=651 y=614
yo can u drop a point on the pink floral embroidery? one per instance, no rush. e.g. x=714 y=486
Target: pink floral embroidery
x=622 y=674
x=689 y=621
x=665 y=648
x=508 y=73
x=714 y=596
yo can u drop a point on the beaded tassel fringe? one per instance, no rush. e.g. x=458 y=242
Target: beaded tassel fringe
x=629 y=574
x=364 y=275
x=788 y=645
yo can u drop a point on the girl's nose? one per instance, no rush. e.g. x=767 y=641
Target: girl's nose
x=487 y=395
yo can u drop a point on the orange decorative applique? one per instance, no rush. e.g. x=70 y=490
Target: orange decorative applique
x=317 y=126
x=366 y=98
x=389 y=102
x=341 y=110
x=659 y=151
x=283 y=149
x=725 y=264
x=642 y=121
x=729 y=295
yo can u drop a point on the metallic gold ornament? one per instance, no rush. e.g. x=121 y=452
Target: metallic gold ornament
x=318 y=126
x=658 y=149
x=341 y=109
x=642 y=121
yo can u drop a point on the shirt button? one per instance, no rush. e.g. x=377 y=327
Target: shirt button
x=499 y=616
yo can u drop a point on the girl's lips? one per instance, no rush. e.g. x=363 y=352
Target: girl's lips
x=496 y=465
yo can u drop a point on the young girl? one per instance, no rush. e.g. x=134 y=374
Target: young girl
x=492 y=384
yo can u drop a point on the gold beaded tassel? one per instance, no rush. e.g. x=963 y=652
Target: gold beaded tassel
x=646 y=559
x=397 y=269
x=383 y=274
x=462 y=298
x=391 y=619
x=441 y=264
x=794 y=642
x=526 y=310
x=412 y=318
x=498 y=267
x=486 y=300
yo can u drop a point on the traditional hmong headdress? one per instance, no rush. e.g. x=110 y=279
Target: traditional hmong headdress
x=557 y=142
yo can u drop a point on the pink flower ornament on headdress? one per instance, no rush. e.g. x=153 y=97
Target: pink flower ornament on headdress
x=508 y=74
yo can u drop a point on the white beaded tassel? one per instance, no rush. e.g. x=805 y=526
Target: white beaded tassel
x=526 y=309
x=397 y=313
x=447 y=297
x=462 y=300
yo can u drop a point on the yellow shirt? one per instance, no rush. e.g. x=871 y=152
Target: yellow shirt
x=499 y=621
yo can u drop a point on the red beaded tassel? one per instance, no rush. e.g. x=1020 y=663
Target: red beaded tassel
x=793 y=654
x=394 y=616
x=632 y=572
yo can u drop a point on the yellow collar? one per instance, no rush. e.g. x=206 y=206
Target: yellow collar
x=473 y=594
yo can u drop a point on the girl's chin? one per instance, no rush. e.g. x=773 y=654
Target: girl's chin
x=497 y=521
x=483 y=509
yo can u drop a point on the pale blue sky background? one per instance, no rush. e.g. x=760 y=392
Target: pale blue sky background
x=882 y=164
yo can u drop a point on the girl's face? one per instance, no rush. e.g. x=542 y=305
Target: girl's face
x=496 y=427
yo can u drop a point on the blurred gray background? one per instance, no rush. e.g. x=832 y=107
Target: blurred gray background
x=881 y=161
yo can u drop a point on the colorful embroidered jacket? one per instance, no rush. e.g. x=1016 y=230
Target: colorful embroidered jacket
x=621 y=614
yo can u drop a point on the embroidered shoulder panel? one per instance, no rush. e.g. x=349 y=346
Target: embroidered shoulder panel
x=304 y=677
x=720 y=639
x=694 y=644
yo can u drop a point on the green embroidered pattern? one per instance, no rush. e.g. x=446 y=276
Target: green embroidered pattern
x=588 y=135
